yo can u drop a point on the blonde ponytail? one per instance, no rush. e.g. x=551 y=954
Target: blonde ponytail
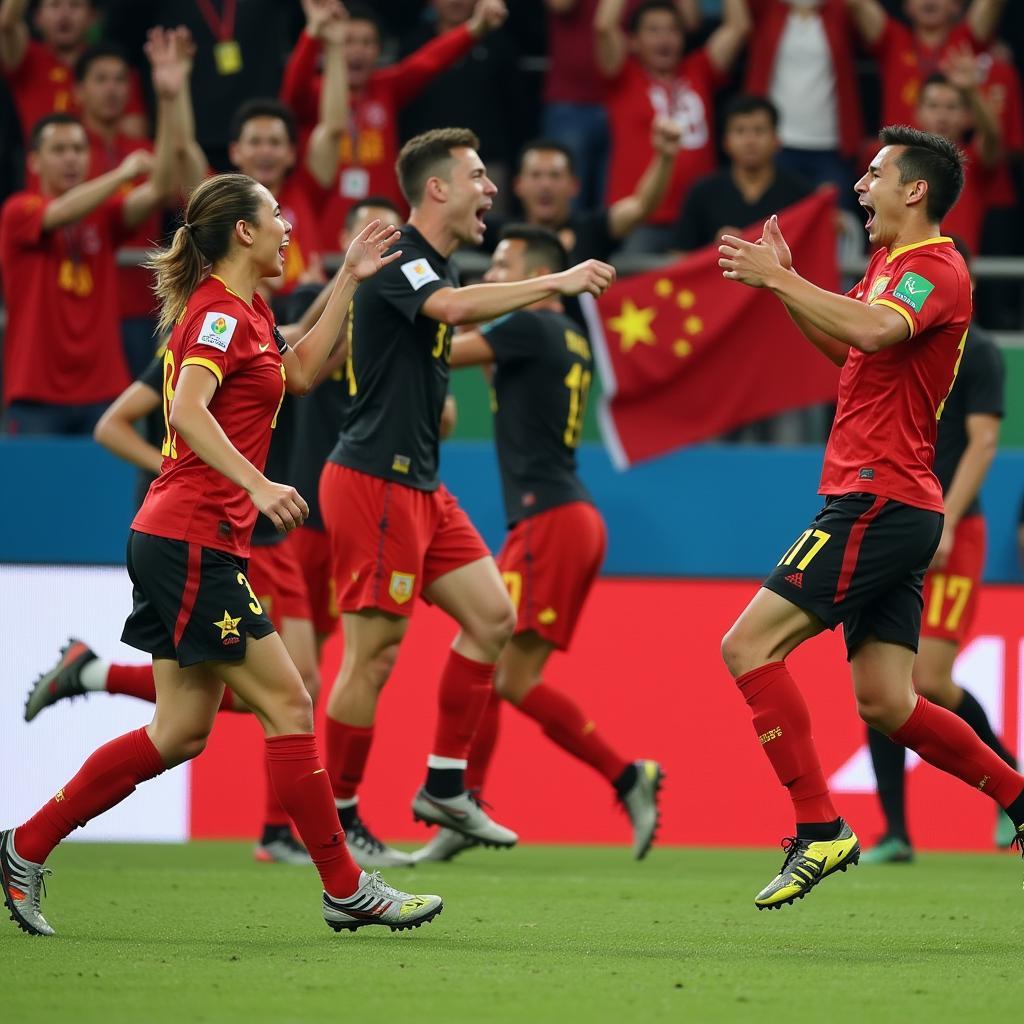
x=214 y=208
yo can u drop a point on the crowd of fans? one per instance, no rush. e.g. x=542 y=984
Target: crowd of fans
x=644 y=126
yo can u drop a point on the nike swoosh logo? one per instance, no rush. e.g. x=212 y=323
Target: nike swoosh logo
x=452 y=812
x=263 y=348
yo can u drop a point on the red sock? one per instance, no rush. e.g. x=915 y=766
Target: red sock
x=482 y=749
x=347 y=748
x=946 y=741
x=783 y=725
x=132 y=680
x=274 y=814
x=565 y=724
x=304 y=790
x=462 y=697
x=109 y=775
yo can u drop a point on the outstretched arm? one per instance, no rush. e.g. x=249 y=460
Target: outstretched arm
x=962 y=70
x=629 y=211
x=479 y=302
x=81 y=200
x=611 y=45
x=726 y=42
x=983 y=18
x=323 y=154
x=13 y=34
x=869 y=17
x=116 y=427
x=470 y=348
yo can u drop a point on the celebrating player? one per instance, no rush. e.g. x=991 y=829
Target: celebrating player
x=226 y=370
x=556 y=540
x=899 y=337
x=964 y=448
x=395 y=530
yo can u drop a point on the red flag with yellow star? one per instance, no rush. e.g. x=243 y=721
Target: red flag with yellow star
x=686 y=355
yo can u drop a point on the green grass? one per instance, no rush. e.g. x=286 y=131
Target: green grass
x=201 y=933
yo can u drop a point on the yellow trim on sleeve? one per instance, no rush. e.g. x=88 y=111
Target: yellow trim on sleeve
x=937 y=240
x=899 y=309
x=208 y=363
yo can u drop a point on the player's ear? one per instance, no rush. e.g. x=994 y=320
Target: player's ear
x=243 y=233
x=918 y=192
x=436 y=189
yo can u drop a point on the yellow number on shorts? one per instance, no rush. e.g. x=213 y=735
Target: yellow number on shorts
x=514 y=582
x=254 y=605
x=169 y=449
x=956 y=590
x=577 y=380
x=821 y=538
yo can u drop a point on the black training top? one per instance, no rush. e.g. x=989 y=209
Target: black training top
x=543 y=370
x=397 y=369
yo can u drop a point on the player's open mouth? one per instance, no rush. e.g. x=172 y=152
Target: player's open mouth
x=281 y=249
x=480 y=214
x=871 y=215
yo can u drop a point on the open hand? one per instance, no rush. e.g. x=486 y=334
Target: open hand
x=365 y=255
x=772 y=235
x=962 y=69
x=591 y=276
x=487 y=16
x=750 y=263
x=170 y=52
x=323 y=17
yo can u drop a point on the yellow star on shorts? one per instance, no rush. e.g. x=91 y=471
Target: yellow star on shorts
x=228 y=625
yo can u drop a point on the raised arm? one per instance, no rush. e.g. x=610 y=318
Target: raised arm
x=323 y=154
x=479 y=302
x=13 y=34
x=304 y=361
x=116 y=427
x=869 y=18
x=726 y=42
x=611 y=45
x=83 y=199
x=962 y=70
x=631 y=210
x=983 y=18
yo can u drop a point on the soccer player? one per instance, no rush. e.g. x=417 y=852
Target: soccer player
x=964 y=448
x=556 y=541
x=899 y=336
x=226 y=370
x=274 y=573
x=396 y=532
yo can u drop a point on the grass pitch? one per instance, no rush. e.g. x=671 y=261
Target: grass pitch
x=202 y=934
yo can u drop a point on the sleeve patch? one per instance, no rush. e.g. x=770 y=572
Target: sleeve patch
x=217 y=330
x=419 y=273
x=913 y=290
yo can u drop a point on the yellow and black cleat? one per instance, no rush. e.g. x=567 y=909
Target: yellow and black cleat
x=806 y=864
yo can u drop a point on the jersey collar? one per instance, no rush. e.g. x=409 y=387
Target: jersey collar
x=937 y=240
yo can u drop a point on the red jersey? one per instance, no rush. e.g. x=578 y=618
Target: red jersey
x=634 y=99
x=883 y=437
x=134 y=283
x=965 y=220
x=190 y=500
x=1001 y=89
x=43 y=84
x=906 y=63
x=63 y=339
x=299 y=197
x=370 y=147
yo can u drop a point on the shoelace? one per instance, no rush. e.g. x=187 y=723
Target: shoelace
x=792 y=847
x=379 y=886
x=39 y=887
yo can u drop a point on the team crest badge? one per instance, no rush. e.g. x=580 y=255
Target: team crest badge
x=401 y=586
x=877 y=287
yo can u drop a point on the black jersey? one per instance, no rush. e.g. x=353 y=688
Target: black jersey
x=153 y=424
x=543 y=370
x=978 y=389
x=318 y=418
x=397 y=369
x=264 y=532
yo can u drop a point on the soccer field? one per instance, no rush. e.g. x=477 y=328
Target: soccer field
x=201 y=933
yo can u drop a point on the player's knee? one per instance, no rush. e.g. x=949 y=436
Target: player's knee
x=510 y=686
x=496 y=624
x=885 y=713
x=737 y=651
x=294 y=712
x=936 y=687
x=379 y=669
x=182 y=747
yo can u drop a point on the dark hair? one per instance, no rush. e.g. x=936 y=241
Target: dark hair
x=101 y=51
x=543 y=247
x=361 y=12
x=214 y=207
x=383 y=201
x=428 y=155
x=36 y=135
x=931 y=158
x=549 y=146
x=938 y=78
x=744 y=103
x=637 y=15
x=262 y=107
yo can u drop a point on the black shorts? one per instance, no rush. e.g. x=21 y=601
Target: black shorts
x=862 y=563
x=190 y=603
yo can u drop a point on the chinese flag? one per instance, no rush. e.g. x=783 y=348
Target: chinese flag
x=686 y=355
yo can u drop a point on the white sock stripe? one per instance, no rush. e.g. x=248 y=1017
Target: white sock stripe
x=350 y=802
x=434 y=761
x=93 y=675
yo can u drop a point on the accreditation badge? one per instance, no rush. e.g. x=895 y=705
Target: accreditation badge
x=227 y=55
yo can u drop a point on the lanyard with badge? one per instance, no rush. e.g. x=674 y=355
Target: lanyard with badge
x=227 y=54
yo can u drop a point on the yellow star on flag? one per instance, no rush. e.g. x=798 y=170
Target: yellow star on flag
x=228 y=625
x=682 y=348
x=685 y=299
x=633 y=325
x=663 y=287
x=693 y=325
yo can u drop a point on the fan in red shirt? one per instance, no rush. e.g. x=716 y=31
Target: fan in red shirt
x=226 y=369
x=907 y=55
x=648 y=76
x=898 y=335
x=103 y=80
x=57 y=248
x=40 y=74
x=950 y=106
x=368 y=147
